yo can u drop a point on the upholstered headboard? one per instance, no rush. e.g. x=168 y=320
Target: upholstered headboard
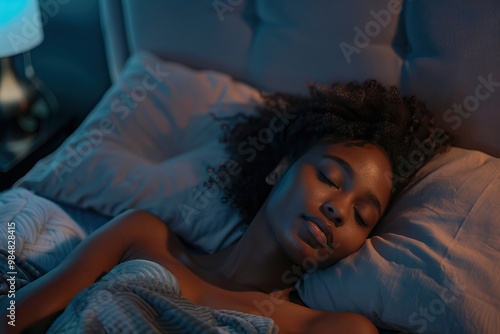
x=445 y=52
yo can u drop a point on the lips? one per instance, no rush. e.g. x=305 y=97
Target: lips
x=320 y=229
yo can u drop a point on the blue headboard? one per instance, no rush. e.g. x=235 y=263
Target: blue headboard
x=441 y=51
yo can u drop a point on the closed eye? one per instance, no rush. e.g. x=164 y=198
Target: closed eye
x=359 y=219
x=322 y=177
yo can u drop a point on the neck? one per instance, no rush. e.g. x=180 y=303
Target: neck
x=255 y=262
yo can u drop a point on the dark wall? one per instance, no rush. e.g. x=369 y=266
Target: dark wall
x=71 y=60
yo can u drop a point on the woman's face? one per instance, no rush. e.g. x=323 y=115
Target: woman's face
x=326 y=203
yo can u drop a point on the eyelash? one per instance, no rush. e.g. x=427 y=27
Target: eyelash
x=359 y=219
x=322 y=177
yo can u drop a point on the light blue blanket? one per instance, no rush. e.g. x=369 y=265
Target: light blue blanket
x=141 y=296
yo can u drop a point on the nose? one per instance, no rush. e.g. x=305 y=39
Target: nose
x=332 y=214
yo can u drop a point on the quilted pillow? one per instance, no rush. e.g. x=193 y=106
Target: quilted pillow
x=44 y=234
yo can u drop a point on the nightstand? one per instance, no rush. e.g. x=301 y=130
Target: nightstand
x=18 y=154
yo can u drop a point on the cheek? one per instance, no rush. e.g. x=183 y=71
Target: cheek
x=349 y=241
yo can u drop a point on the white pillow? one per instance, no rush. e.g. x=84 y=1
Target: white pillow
x=433 y=265
x=150 y=143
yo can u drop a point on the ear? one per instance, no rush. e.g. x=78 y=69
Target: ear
x=277 y=172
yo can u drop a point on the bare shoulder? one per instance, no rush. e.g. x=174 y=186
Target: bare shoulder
x=136 y=224
x=138 y=215
x=307 y=320
x=146 y=237
x=291 y=318
x=341 y=322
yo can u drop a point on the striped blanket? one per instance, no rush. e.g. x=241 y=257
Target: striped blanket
x=141 y=296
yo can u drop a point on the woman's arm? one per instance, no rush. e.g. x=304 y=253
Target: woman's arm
x=289 y=317
x=40 y=302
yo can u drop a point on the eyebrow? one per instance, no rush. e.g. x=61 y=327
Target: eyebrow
x=345 y=165
x=342 y=163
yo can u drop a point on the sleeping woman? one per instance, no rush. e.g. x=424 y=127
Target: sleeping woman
x=312 y=195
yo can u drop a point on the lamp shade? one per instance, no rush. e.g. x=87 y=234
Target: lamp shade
x=20 y=26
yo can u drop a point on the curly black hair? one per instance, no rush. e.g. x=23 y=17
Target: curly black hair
x=288 y=124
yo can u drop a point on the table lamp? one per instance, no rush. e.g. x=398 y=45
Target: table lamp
x=20 y=95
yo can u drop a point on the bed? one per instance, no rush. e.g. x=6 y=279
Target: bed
x=431 y=265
